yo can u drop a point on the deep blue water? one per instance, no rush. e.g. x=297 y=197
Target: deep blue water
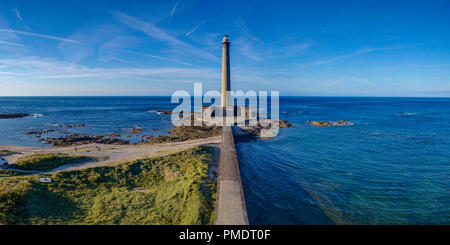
x=391 y=167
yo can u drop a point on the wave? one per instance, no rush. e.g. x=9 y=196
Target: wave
x=37 y=115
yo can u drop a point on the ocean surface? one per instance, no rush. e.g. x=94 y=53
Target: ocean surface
x=392 y=166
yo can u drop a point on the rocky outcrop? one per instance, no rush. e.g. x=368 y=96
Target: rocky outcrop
x=286 y=124
x=319 y=123
x=111 y=135
x=183 y=133
x=14 y=115
x=80 y=125
x=330 y=124
x=135 y=130
x=256 y=130
x=39 y=132
x=342 y=123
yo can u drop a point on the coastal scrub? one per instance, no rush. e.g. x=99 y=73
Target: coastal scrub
x=167 y=190
x=42 y=162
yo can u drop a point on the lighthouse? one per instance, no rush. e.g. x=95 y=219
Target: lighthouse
x=225 y=70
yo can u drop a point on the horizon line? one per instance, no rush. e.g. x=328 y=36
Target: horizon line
x=324 y=96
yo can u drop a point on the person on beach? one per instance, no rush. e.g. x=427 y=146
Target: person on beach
x=76 y=149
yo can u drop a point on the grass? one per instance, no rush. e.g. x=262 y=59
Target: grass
x=177 y=191
x=6 y=153
x=8 y=173
x=42 y=162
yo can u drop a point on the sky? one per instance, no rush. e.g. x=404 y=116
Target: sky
x=300 y=48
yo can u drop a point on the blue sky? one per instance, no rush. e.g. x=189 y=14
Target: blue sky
x=311 y=48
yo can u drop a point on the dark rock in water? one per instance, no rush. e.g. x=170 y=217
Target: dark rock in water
x=80 y=125
x=111 y=135
x=168 y=112
x=342 y=123
x=146 y=138
x=256 y=130
x=39 y=132
x=14 y=115
x=33 y=132
x=183 y=133
x=135 y=130
x=319 y=123
x=330 y=124
x=286 y=124
x=76 y=139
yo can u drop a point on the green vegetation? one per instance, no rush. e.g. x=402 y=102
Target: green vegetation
x=42 y=162
x=8 y=173
x=168 y=190
x=6 y=152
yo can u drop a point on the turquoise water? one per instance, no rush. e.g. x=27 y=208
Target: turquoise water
x=391 y=167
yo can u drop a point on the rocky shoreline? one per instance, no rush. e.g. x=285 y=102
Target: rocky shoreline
x=176 y=134
x=183 y=133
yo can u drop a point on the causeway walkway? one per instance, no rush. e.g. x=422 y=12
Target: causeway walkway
x=230 y=203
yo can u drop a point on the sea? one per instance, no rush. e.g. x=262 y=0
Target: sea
x=391 y=166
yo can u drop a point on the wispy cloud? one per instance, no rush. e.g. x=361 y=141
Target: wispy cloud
x=353 y=54
x=174 y=9
x=108 y=51
x=93 y=37
x=159 y=34
x=123 y=60
x=154 y=56
x=256 y=49
x=16 y=11
x=195 y=28
x=39 y=35
x=49 y=68
x=13 y=44
x=250 y=47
